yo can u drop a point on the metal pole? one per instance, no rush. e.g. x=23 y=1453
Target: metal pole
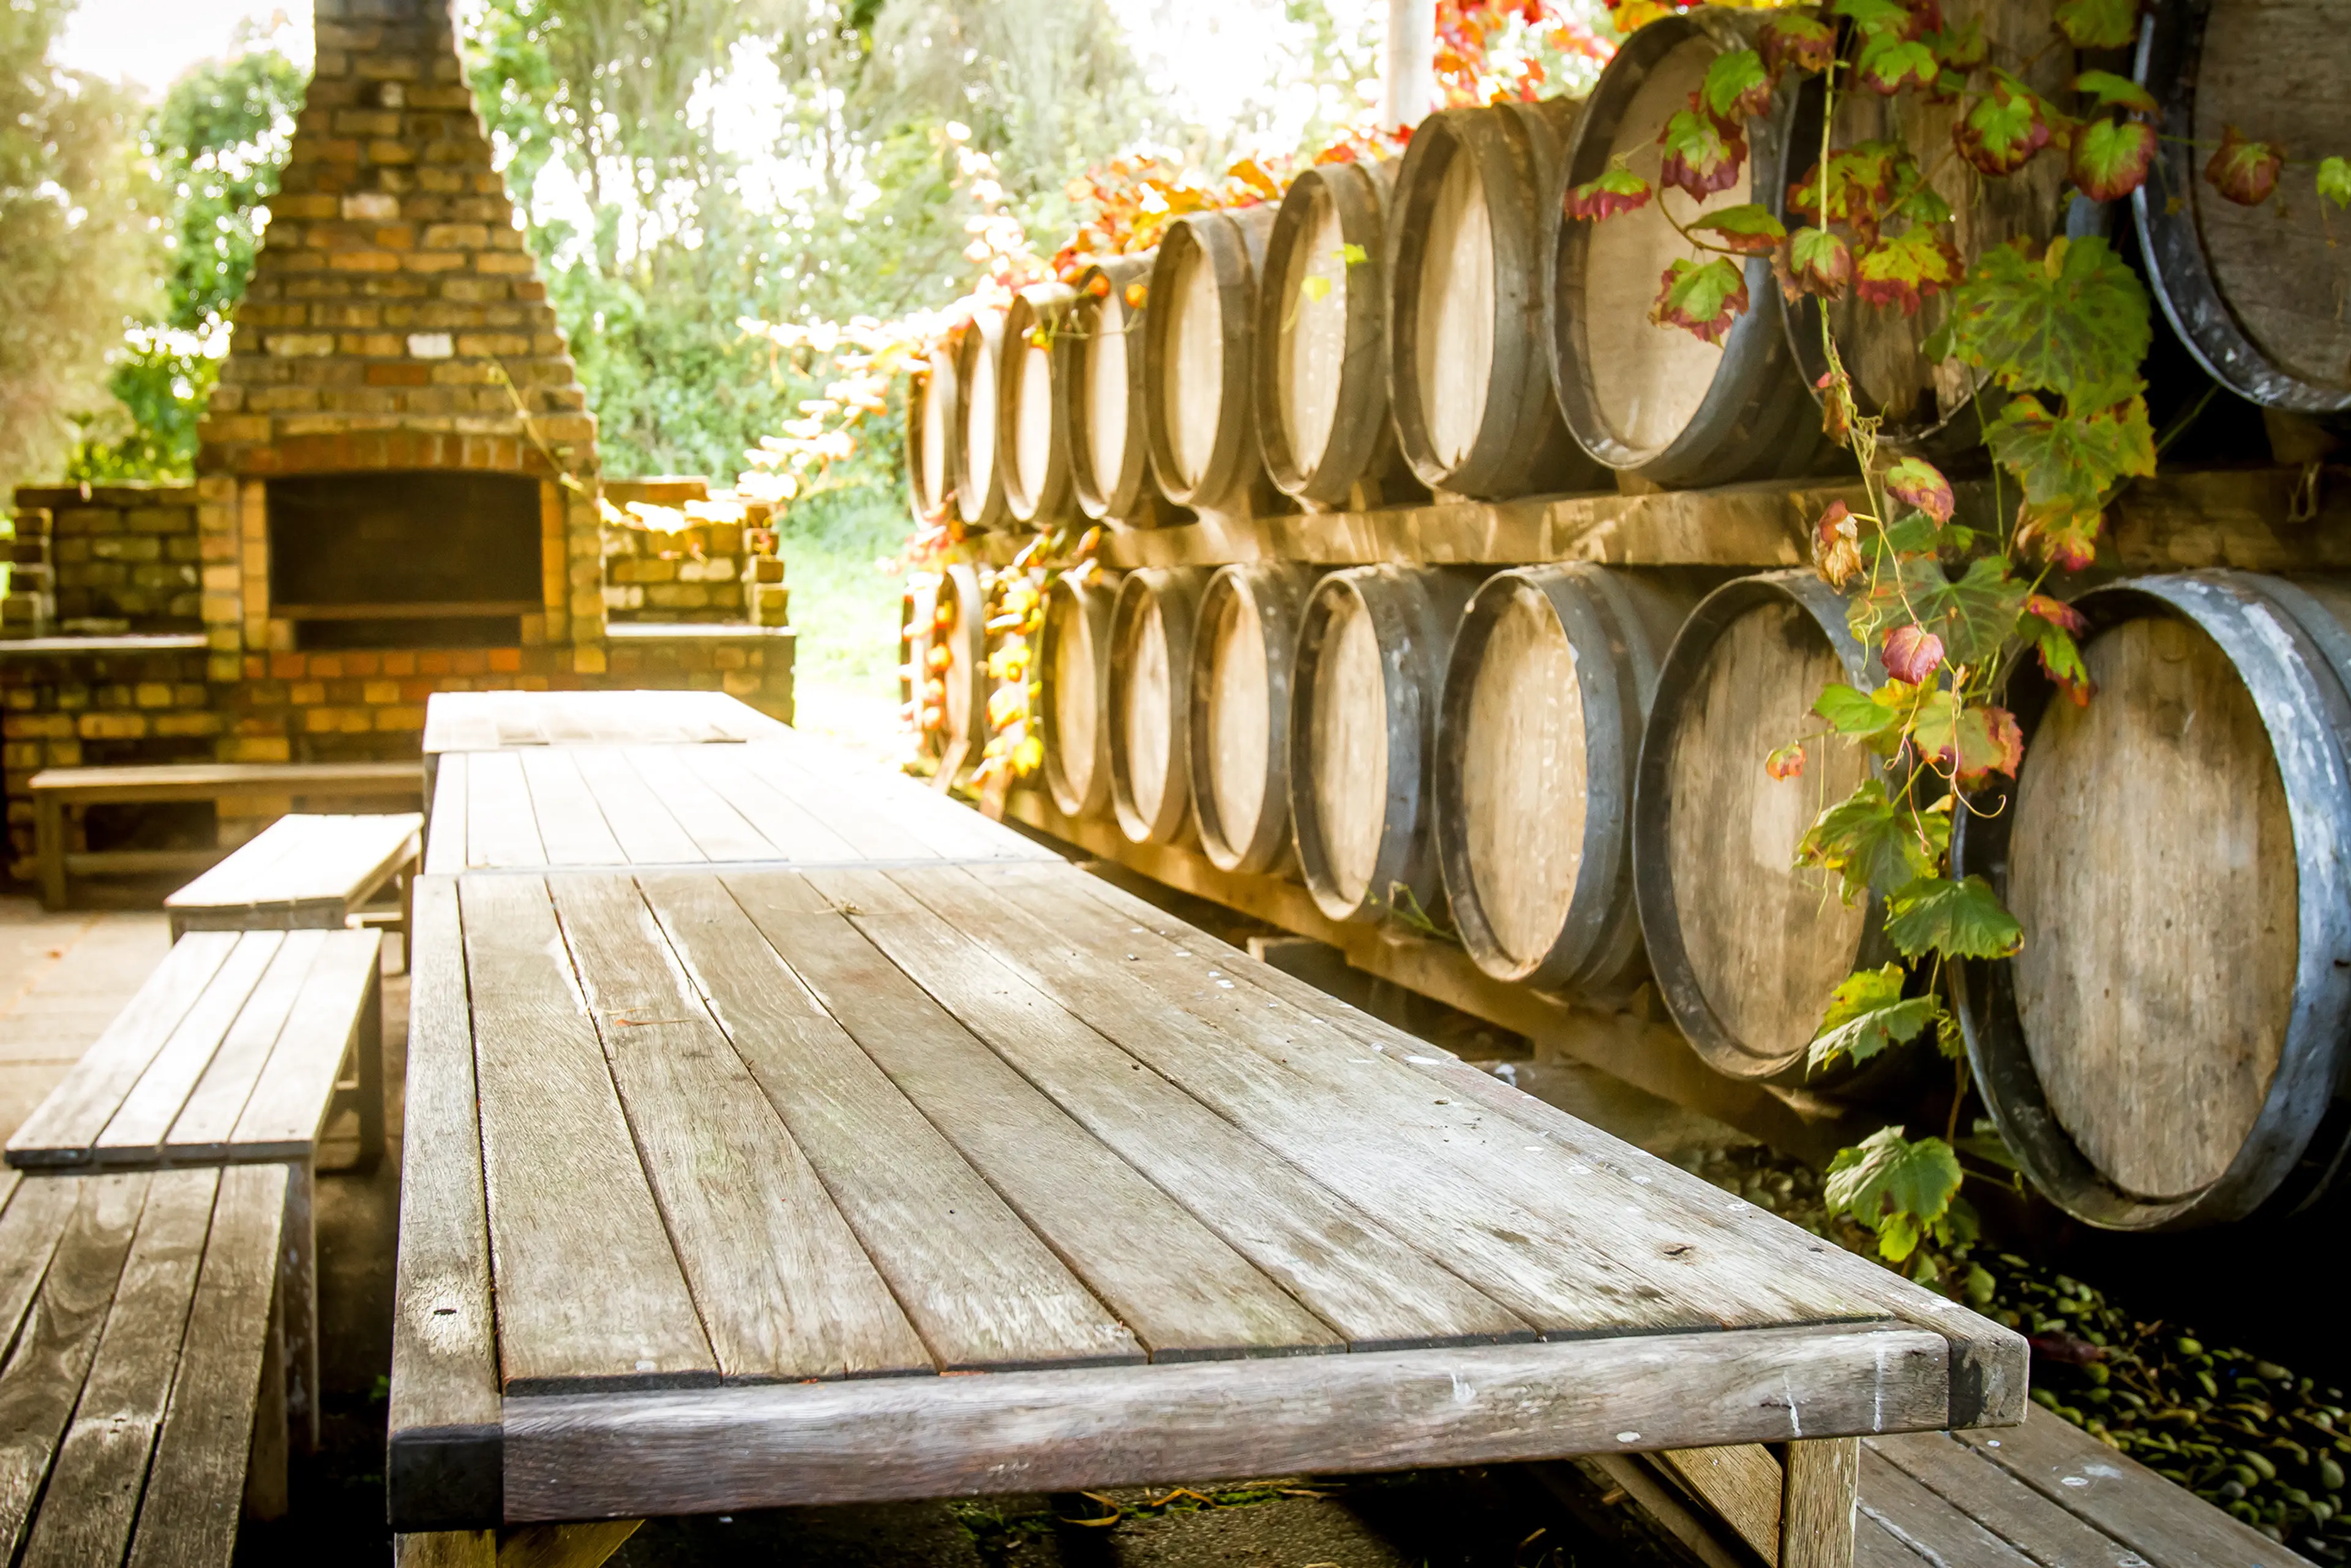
x=1408 y=66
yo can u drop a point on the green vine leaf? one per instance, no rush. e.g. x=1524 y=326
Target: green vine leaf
x=1962 y=919
x=1876 y=719
x=2244 y=172
x=2063 y=533
x=1750 y=229
x=1703 y=299
x=2335 y=180
x=1977 y=611
x=1618 y=190
x=1865 y=840
x=1878 y=16
x=1797 y=40
x=1861 y=178
x=1738 y=88
x=2002 y=129
x=1906 y=269
x=1867 y=1014
x=1814 y=261
x=2071 y=456
x=2108 y=90
x=2049 y=627
x=1972 y=740
x=1918 y=483
x=2072 y=320
x=1701 y=156
x=2097 y=24
x=1902 y=1190
x=1888 y=63
x=1961 y=49
x=2110 y=158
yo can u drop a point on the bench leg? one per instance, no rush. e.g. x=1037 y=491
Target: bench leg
x=265 y=1494
x=407 y=916
x=369 y=1050
x=300 y=1281
x=445 y=1549
x=519 y=1546
x=1816 y=1516
x=49 y=849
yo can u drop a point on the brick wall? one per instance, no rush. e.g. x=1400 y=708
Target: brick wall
x=674 y=552
x=110 y=557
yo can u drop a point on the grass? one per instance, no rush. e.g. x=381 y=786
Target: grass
x=845 y=611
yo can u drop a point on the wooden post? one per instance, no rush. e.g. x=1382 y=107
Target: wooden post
x=49 y=848
x=1408 y=66
x=1816 y=1512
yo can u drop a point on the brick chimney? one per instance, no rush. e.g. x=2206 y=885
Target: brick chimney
x=397 y=376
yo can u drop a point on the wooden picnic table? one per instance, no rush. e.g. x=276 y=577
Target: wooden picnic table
x=505 y=721
x=713 y=1169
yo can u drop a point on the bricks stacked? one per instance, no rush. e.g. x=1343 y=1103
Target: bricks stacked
x=117 y=558
x=674 y=553
x=28 y=608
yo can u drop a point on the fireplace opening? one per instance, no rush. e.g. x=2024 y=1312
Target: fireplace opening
x=400 y=559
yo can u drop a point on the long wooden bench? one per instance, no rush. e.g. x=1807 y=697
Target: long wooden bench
x=240 y=1048
x=281 y=787
x=143 y=1389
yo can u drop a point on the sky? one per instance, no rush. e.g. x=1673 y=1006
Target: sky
x=152 y=42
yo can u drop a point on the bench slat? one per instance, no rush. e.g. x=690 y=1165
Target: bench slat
x=30 y=1223
x=62 y=1128
x=1184 y=1295
x=287 y=1110
x=92 y=1498
x=778 y=1279
x=189 y=1515
x=587 y=1281
x=443 y=1466
x=52 y=1352
x=202 y=781
x=135 y=1132
x=1377 y=1291
x=205 y=1127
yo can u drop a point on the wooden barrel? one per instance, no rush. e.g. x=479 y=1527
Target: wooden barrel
x=931 y=418
x=1150 y=707
x=978 y=476
x=1927 y=405
x=2169 y=1048
x=1321 y=373
x=1658 y=401
x=1466 y=373
x=1110 y=456
x=953 y=648
x=1744 y=948
x=1371 y=648
x=1242 y=646
x=1073 y=674
x=1034 y=452
x=1199 y=358
x=1538 y=734
x=2256 y=293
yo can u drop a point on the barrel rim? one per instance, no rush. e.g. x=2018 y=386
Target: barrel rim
x=1045 y=306
x=1587 y=602
x=2170 y=50
x=2317 y=779
x=1091 y=603
x=1278 y=591
x=1127 y=496
x=1178 y=590
x=918 y=385
x=1509 y=454
x=1661 y=928
x=1715 y=446
x=984 y=333
x=1362 y=422
x=1220 y=238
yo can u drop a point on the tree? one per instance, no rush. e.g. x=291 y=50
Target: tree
x=216 y=144
x=77 y=246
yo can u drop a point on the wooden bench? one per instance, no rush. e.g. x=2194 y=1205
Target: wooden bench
x=305 y=873
x=235 y=1051
x=1175 y=1213
x=283 y=788
x=143 y=1383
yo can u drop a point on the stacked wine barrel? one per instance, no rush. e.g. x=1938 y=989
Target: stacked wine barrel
x=1561 y=765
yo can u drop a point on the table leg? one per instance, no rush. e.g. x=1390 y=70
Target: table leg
x=49 y=849
x=369 y=1050
x=407 y=915
x=1816 y=1516
x=300 y=1281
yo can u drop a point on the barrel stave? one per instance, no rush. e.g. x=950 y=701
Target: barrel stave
x=1150 y=706
x=978 y=477
x=1033 y=449
x=1200 y=356
x=1242 y=651
x=1073 y=697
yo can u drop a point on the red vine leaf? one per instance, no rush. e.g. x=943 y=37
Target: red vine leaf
x=1814 y=261
x=1797 y=40
x=2063 y=533
x=1912 y=653
x=2108 y=90
x=1975 y=742
x=2056 y=613
x=2049 y=626
x=1836 y=546
x=1888 y=63
x=1618 y=190
x=1836 y=406
x=1701 y=297
x=2071 y=457
x=1701 y=157
x=1906 y=268
x=2097 y=24
x=2110 y=158
x=2244 y=172
x=1748 y=229
x=2004 y=128
x=1737 y=89
x=1918 y=483
x=1860 y=179
x=1787 y=762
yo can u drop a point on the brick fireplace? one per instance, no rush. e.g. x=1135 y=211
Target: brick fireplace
x=397 y=488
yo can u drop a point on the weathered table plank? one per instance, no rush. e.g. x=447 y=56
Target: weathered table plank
x=497 y=721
